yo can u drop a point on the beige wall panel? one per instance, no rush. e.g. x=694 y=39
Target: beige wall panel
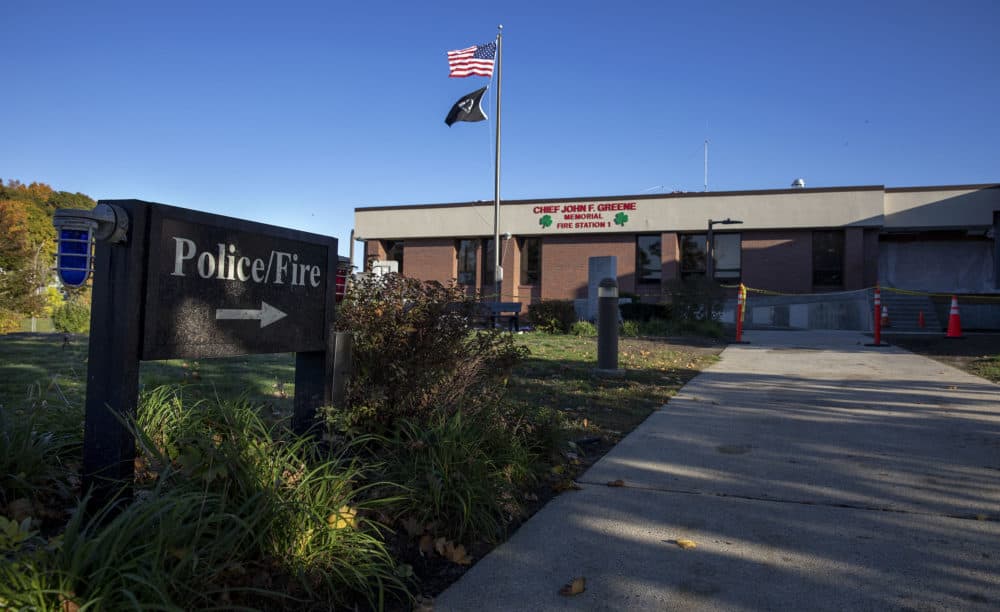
x=944 y=208
x=800 y=209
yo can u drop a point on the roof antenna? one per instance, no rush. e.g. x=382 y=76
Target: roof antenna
x=706 y=164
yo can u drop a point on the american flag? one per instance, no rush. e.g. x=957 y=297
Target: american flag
x=477 y=59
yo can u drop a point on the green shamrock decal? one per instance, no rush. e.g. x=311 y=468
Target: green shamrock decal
x=545 y=221
x=621 y=219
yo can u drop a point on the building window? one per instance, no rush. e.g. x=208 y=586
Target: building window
x=489 y=275
x=466 y=252
x=828 y=259
x=727 y=261
x=531 y=261
x=726 y=264
x=692 y=255
x=394 y=252
x=648 y=258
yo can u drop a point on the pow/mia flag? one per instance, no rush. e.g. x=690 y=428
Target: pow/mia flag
x=468 y=108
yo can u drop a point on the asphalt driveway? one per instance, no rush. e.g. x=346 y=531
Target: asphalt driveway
x=810 y=471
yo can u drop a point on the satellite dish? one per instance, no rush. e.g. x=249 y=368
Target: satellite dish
x=798 y=183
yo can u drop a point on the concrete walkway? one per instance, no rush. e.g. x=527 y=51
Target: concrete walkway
x=813 y=473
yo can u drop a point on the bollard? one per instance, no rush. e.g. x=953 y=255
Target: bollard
x=740 y=302
x=877 y=319
x=607 y=327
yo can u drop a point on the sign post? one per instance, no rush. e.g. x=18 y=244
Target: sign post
x=194 y=285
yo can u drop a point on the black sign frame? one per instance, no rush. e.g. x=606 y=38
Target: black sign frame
x=126 y=328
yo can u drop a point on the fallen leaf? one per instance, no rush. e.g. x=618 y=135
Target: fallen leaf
x=557 y=469
x=439 y=545
x=424 y=604
x=685 y=544
x=565 y=485
x=343 y=518
x=457 y=554
x=426 y=545
x=66 y=604
x=574 y=587
x=586 y=423
x=617 y=483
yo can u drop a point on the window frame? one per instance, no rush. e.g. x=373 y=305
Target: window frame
x=640 y=268
x=840 y=237
x=469 y=258
x=524 y=278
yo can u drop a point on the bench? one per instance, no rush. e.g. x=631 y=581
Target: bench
x=494 y=312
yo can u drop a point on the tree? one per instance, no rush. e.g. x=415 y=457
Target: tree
x=28 y=247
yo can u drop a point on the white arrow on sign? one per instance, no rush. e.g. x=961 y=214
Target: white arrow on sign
x=267 y=314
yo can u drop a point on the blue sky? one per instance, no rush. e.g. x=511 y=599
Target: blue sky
x=294 y=113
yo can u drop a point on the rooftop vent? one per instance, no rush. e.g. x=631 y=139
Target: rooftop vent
x=799 y=183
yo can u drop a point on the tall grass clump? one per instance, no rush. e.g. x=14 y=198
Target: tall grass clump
x=462 y=475
x=32 y=461
x=229 y=512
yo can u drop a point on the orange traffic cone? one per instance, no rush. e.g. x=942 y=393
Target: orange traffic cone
x=920 y=320
x=954 y=320
x=885 y=317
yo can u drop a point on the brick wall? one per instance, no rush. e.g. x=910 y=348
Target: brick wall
x=431 y=259
x=564 y=263
x=854 y=252
x=870 y=276
x=779 y=260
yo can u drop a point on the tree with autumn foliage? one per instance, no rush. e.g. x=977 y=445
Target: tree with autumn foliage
x=28 y=247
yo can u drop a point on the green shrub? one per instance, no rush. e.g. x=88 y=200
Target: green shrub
x=583 y=328
x=552 y=316
x=638 y=311
x=72 y=317
x=630 y=329
x=416 y=354
x=696 y=299
x=658 y=327
x=460 y=475
x=10 y=321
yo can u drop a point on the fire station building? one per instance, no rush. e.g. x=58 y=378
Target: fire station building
x=802 y=240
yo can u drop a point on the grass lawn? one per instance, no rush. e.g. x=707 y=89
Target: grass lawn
x=976 y=353
x=559 y=374
x=37 y=370
x=44 y=377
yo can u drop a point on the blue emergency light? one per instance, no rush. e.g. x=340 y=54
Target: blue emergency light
x=77 y=231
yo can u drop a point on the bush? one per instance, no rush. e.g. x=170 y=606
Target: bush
x=638 y=311
x=583 y=328
x=10 y=321
x=630 y=329
x=73 y=317
x=416 y=354
x=552 y=316
x=696 y=299
x=657 y=327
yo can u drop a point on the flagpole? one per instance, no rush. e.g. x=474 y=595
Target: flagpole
x=497 y=272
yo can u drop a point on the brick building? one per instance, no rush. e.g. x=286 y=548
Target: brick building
x=799 y=240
